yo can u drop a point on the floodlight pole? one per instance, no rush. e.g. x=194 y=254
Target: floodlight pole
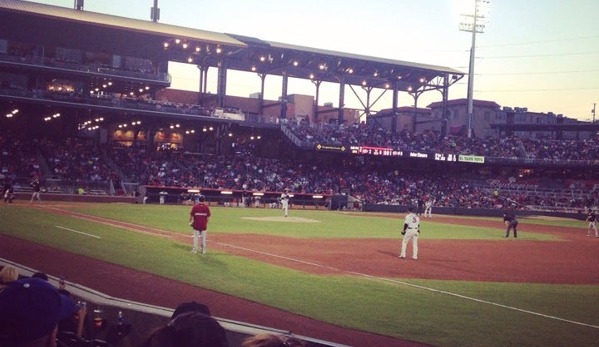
x=473 y=27
x=471 y=78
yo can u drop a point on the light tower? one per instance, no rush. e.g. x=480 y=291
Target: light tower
x=473 y=22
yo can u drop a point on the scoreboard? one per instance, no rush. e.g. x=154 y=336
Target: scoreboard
x=382 y=151
x=390 y=152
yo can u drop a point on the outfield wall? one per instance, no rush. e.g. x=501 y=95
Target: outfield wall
x=461 y=211
x=302 y=202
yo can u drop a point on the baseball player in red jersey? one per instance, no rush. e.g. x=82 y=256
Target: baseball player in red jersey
x=410 y=233
x=198 y=219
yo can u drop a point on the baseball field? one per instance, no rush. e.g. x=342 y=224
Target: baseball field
x=329 y=274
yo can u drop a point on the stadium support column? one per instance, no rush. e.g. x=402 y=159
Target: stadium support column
x=284 y=95
x=415 y=95
x=222 y=82
x=261 y=97
x=341 y=100
x=444 y=93
x=316 y=99
x=203 y=80
x=394 y=108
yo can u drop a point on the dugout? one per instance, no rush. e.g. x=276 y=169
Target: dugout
x=230 y=198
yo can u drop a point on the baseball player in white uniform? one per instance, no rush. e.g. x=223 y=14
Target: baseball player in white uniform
x=428 y=208
x=285 y=201
x=411 y=230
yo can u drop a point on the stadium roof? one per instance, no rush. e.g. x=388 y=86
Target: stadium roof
x=68 y=14
x=65 y=27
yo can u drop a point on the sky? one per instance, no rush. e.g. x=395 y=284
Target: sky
x=538 y=54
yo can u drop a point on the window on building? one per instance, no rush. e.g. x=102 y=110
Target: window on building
x=520 y=118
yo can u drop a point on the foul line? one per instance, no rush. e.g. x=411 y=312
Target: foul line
x=413 y=285
x=473 y=299
x=104 y=221
x=78 y=232
x=278 y=256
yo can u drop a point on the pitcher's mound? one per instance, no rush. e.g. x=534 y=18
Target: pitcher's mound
x=283 y=219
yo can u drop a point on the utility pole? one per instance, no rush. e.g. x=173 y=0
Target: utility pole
x=155 y=12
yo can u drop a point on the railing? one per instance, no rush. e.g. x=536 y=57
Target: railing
x=77 y=187
x=542 y=162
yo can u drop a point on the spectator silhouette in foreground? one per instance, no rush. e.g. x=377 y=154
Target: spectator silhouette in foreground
x=191 y=329
x=30 y=310
x=190 y=306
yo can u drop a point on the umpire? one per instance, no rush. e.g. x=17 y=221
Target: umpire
x=510 y=223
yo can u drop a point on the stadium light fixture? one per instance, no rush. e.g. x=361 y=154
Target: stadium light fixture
x=473 y=21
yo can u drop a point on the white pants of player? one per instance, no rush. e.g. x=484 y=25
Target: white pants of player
x=428 y=212
x=36 y=195
x=411 y=235
x=593 y=227
x=197 y=234
x=285 y=206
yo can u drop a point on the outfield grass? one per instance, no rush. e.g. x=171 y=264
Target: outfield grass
x=429 y=311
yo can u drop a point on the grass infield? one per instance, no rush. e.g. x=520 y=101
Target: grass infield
x=441 y=313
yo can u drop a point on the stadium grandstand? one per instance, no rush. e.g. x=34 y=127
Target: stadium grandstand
x=86 y=107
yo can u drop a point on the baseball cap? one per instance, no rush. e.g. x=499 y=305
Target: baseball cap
x=33 y=307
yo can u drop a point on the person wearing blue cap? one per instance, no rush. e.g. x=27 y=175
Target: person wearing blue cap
x=30 y=310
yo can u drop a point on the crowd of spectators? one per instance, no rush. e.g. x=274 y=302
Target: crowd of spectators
x=369 y=183
x=372 y=182
x=18 y=157
x=431 y=142
x=75 y=159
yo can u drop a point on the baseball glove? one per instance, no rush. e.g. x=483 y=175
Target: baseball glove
x=403 y=232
